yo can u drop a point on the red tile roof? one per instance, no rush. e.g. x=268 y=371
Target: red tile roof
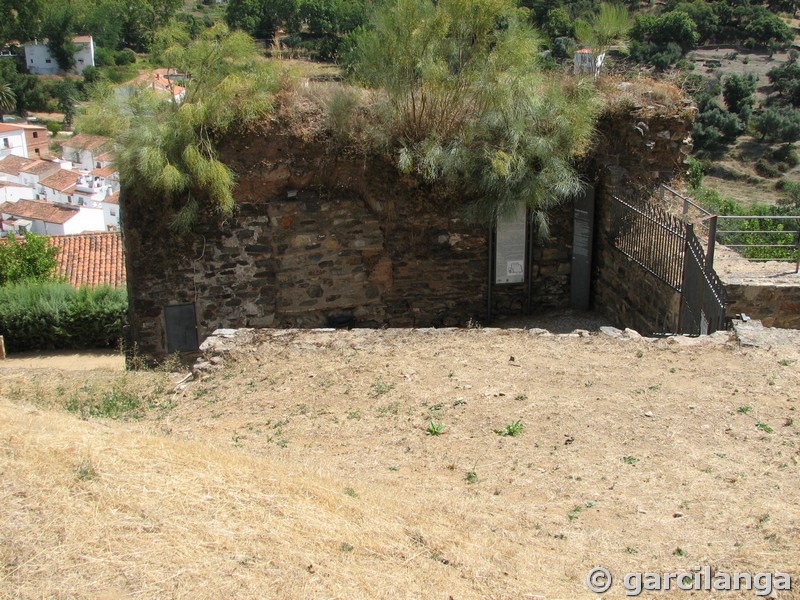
x=104 y=171
x=91 y=258
x=113 y=198
x=85 y=141
x=9 y=127
x=39 y=210
x=12 y=164
x=12 y=184
x=42 y=168
x=61 y=180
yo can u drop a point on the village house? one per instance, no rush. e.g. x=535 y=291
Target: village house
x=39 y=61
x=37 y=140
x=59 y=186
x=46 y=218
x=12 y=141
x=37 y=170
x=11 y=192
x=11 y=166
x=86 y=151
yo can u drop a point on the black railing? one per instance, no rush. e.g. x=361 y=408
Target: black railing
x=667 y=247
x=651 y=237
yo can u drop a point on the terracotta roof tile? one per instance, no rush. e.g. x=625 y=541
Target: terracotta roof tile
x=84 y=141
x=82 y=38
x=61 y=180
x=104 y=171
x=12 y=164
x=40 y=210
x=113 y=198
x=9 y=127
x=12 y=184
x=91 y=258
x=42 y=168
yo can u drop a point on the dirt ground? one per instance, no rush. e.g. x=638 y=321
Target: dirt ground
x=307 y=465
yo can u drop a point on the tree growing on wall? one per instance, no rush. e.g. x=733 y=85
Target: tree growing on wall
x=32 y=259
x=470 y=108
x=166 y=147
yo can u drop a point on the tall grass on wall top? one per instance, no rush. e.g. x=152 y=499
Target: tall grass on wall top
x=52 y=315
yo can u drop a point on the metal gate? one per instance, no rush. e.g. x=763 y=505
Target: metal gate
x=703 y=296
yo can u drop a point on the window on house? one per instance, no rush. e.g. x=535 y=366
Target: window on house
x=5 y=143
x=36 y=151
x=80 y=60
x=35 y=134
x=48 y=61
x=113 y=212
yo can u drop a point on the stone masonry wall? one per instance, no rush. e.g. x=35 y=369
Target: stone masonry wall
x=774 y=305
x=323 y=239
x=649 y=147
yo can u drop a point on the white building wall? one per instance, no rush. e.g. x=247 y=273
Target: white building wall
x=13 y=142
x=111 y=216
x=40 y=62
x=87 y=219
x=12 y=194
x=81 y=159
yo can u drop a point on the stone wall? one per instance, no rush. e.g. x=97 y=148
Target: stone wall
x=774 y=305
x=649 y=146
x=325 y=239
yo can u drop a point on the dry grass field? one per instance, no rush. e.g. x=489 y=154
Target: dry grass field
x=309 y=466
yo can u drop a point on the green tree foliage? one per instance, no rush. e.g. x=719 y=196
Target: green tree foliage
x=738 y=91
x=780 y=124
x=785 y=80
x=166 y=147
x=559 y=23
x=20 y=20
x=705 y=19
x=676 y=27
x=8 y=99
x=322 y=26
x=67 y=95
x=59 y=29
x=767 y=29
x=259 y=18
x=787 y=6
x=715 y=127
x=31 y=259
x=470 y=108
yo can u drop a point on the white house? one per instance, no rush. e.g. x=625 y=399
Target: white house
x=59 y=186
x=47 y=218
x=11 y=166
x=12 y=141
x=85 y=151
x=91 y=190
x=37 y=170
x=40 y=62
x=11 y=192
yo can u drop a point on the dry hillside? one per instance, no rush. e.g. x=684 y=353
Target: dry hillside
x=302 y=468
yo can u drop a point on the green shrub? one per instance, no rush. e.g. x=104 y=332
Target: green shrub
x=786 y=154
x=765 y=169
x=38 y=316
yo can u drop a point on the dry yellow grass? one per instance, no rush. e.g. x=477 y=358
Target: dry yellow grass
x=303 y=469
